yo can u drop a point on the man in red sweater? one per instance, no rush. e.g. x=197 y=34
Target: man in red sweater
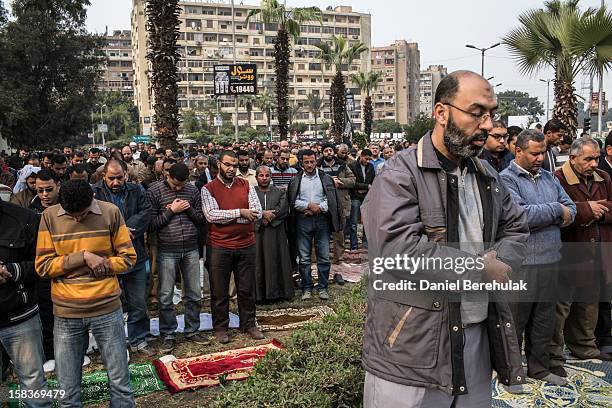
x=231 y=207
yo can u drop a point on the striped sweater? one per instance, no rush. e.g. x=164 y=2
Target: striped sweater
x=62 y=241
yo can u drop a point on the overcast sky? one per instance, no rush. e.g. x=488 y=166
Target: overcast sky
x=440 y=27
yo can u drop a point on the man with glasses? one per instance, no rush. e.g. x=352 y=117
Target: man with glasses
x=131 y=200
x=495 y=149
x=176 y=216
x=231 y=207
x=47 y=194
x=439 y=201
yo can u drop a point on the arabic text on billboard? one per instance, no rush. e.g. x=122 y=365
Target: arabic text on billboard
x=235 y=79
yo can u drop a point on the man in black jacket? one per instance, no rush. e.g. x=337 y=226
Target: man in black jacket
x=364 y=175
x=20 y=328
x=136 y=210
x=315 y=214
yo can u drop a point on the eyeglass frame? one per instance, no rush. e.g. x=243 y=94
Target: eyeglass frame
x=482 y=118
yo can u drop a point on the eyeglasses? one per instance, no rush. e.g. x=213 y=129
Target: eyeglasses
x=480 y=117
x=45 y=190
x=499 y=138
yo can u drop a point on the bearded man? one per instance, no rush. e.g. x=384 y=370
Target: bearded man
x=439 y=201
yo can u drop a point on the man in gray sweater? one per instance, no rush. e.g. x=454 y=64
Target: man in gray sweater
x=548 y=208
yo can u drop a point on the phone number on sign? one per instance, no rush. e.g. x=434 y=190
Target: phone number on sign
x=243 y=88
x=37 y=394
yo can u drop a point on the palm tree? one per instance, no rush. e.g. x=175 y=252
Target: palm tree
x=163 y=29
x=292 y=112
x=265 y=102
x=271 y=11
x=247 y=102
x=339 y=54
x=315 y=105
x=569 y=41
x=367 y=82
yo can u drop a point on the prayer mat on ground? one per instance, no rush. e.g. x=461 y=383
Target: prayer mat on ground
x=589 y=385
x=287 y=319
x=181 y=374
x=95 y=386
x=350 y=272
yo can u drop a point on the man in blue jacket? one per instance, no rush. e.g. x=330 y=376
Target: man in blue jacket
x=136 y=210
x=548 y=209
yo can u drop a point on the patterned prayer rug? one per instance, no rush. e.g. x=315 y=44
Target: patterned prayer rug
x=181 y=374
x=350 y=272
x=589 y=385
x=95 y=388
x=288 y=319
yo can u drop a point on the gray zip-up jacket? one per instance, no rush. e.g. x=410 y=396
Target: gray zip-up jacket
x=416 y=337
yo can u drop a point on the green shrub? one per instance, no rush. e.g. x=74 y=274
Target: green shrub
x=320 y=366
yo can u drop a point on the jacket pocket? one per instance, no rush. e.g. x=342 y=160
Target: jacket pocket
x=434 y=221
x=405 y=334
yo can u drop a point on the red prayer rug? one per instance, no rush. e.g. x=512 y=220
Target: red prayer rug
x=179 y=374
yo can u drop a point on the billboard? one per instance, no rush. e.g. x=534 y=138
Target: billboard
x=235 y=79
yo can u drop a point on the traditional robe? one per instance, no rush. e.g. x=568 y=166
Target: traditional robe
x=273 y=277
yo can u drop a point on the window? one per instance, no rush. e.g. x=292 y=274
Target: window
x=255 y=41
x=225 y=12
x=341 y=30
x=126 y=64
x=239 y=14
x=314 y=66
x=193 y=24
x=299 y=79
x=209 y=24
x=302 y=116
x=239 y=40
x=193 y=10
x=301 y=91
x=314 y=29
x=258 y=116
x=194 y=64
x=353 y=31
x=314 y=41
x=313 y=80
x=210 y=38
x=328 y=30
x=253 y=25
x=326 y=80
x=301 y=67
x=194 y=77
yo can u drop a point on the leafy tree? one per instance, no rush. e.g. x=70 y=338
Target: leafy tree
x=247 y=102
x=386 y=126
x=191 y=124
x=568 y=40
x=163 y=29
x=292 y=112
x=314 y=103
x=517 y=103
x=299 y=127
x=367 y=82
x=339 y=55
x=419 y=126
x=265 y=102
x=271 y=11
x=120 y=115
x=49 y=67
x=360 y=139
x=324 y=126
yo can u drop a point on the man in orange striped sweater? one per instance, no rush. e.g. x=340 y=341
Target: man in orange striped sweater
x=82 y=245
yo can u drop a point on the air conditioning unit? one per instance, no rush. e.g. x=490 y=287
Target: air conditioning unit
x=355 y=37
x=199 y=28
x=198 y=42
x=260 y=31
x=209 y=54
x=188 y=69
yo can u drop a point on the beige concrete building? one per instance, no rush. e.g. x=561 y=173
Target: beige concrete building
x=430 y=78
x=118 y=74
x=397 y=95
x=206 y=40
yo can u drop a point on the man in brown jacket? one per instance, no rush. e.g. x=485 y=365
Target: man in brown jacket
x=591 y=190
x=437 y=200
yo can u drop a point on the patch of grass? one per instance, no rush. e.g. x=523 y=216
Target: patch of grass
x=320 y=366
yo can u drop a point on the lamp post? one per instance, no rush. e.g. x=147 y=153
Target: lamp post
x=500 y=84
x=102 y=124
x=482 y=51
x=547 y=95
x=600 y=99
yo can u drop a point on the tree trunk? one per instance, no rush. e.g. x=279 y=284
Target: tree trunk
x=316 y=128
x=162 y=26
x=565 y=105
x=249 y=109
x=281 y=66
x=338 y=92
x=368 y=115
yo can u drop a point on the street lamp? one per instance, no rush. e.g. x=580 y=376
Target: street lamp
x=500 y=84
x=102 y=124
x=547 y=95
x=482 y=51
x=490 y=78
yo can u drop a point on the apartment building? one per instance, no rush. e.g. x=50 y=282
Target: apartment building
x=206 y=40
x=430 y=78
x=397 y=95
x=118 y=74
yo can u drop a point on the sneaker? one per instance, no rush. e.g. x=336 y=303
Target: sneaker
x=86 y=361
x=555 y=380
x=142 y=349
x=560 y=371
x=323 y=295
x=167 y=346
x=306 y=295
x=198 y=338
x=149 y=338
x=49 y=366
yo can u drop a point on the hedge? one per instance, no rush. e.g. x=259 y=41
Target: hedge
x=320 y=366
